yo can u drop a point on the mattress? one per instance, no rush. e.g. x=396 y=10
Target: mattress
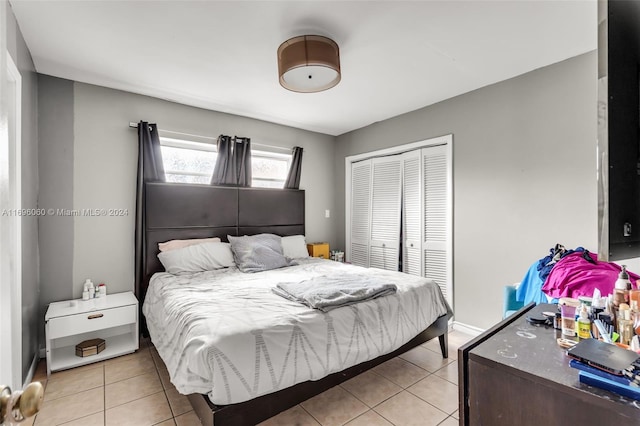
x=225 y=334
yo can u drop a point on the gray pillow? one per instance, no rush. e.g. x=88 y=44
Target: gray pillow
x=257 y=253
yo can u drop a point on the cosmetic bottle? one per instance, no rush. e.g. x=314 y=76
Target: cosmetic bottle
x=625 y=325
x=622 y=287
x=85 y=290
x=635 y=317
x=584 y=324
x=92 y=289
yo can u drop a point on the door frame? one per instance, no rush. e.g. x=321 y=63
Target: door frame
x=11 y=224
x=440 y=140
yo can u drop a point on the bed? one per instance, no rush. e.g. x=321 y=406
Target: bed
x=242 y=353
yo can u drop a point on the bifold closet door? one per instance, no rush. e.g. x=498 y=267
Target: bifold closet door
x=386 y=188
x=360 y=212
x=412 y=213
x=436 y=203
x=404 y=198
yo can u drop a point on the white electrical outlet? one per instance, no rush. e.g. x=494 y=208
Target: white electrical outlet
x=327 y=213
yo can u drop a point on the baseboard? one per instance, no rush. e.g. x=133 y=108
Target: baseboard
x=467 y=329
x=32 y=370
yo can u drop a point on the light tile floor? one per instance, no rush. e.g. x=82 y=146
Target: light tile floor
x=416 y=388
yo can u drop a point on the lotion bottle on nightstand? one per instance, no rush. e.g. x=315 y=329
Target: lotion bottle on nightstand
x=92 y=290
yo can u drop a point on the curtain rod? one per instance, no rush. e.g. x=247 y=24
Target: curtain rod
x=135 y=126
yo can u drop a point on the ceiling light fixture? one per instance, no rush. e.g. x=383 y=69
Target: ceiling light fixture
x=309 y=64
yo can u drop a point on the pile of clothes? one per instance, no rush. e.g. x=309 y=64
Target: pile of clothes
x=568 y=273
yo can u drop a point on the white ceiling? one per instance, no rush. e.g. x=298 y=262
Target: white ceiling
x=396 y=56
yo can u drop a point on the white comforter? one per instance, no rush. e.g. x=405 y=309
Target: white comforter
x=225 y=334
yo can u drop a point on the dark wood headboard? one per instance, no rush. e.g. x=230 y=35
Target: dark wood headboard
x=182 y=211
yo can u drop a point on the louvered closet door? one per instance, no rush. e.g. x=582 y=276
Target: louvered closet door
x=385 y=212
x=435 y=174
x=412 y=213
x=360 y=212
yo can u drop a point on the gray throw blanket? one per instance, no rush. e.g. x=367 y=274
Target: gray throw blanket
x=331 y=292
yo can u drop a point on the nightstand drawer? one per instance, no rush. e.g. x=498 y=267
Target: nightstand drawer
x=91 y=321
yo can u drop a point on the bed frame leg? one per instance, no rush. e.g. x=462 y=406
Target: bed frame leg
x=444 y=344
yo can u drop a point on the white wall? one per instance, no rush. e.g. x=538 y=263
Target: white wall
x=524 y=175
x=104 y=173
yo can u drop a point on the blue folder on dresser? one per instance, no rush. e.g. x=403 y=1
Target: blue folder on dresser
x=574 y=363
x=610 y=385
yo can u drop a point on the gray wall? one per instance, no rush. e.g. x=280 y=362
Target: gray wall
x=524 y=175
x=55 y=151
x=102 y=159
x=30 y=310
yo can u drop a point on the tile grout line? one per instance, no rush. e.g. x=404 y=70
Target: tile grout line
x=79 y=418
x=367 y=405
x=430 y=373
x=103 y=386
x=357 y=399
x=404 y=389
x=104 y=392
x=388 y=398
x=157 y=368
x=431 y=404
x=360 y=415
x=166 y=397
x=444 y=412
x=449 y=417
x=164 y=390
x=75 y=392
x=308 y=412
x=381 y=415
x=136 y=399
x=350 y=393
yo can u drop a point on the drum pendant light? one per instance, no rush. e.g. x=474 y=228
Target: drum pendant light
x=309 y=64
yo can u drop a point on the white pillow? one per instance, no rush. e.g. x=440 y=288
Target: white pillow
x=294 y=247
x=177 y=244
x=197 y=258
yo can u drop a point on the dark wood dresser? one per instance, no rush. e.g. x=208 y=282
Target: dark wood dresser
x=516 y=374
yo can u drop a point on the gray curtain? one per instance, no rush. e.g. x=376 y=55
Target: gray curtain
x=150 y=169
x=293 y=177
x=151 y=159
x=242 y=161
x=223 y=169
x=233 y=164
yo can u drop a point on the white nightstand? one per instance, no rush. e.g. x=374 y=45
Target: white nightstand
x=113 y=318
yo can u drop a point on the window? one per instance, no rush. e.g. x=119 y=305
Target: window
x=187 y=162
x=193 y=162
x=268 y=169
